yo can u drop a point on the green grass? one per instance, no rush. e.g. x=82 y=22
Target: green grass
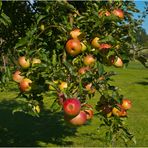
x=49 y=129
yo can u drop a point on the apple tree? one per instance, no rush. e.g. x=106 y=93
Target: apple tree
x=61 y=49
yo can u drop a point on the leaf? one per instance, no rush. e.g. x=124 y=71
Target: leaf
x=6 y=19
x=22 y=42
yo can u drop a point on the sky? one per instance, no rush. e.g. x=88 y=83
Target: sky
x=140 y=5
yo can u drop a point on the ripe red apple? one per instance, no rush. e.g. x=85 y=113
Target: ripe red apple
x=78 y=120
x=25 y=85
x=23 y=62
x=83 y=70
x=17 y=76
x=89 y=113
x=119 y=13
x=75 y=33
x=126 y=104
x=121 y=112
x=95 y=42
x=89 y=60
x=73 y=47
x=71 y=107
x=63 y=85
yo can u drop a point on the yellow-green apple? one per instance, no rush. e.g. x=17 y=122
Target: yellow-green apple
x=73 y=47
x=42 y=27
x=63 y=85
x=89 y=60
x=36 y=61
x=75 y=33
x=119 y=111
x=90 y=88
x=95 y=42
x=24 y=63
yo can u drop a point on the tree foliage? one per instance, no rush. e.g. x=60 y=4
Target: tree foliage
x=41 y=31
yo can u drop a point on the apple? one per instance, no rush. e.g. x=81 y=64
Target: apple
x=89 y=113
x=83 y=46
x=119 y=13
x=63 y=85
x=36 y=108
x=90 y=88
x=36 y=61
x=75 y=33
x=118 y=62
x=78 y=120
x=61 y=98
x=17 y=77
x=121 y=112
x=71 y=106
x=89 y=60
x=73 y=47
x=126 y=104
x=107 y=13
x=42 y=27
x=95 y=42
x=23 y=62
x=25 y=85
x=83 y=70
x=105 y=46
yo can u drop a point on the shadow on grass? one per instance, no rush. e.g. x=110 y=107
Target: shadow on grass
x=20 y=129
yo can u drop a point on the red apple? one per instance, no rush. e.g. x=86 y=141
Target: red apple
x=73 y=47
x=105 y=46
x=95 y=42
x=75 y=33
x=126 y=104
x=25 y=85
x=119 y=13
x=71 y=107
x=89 y=113
x=78 y=120
x=17 y=76
x=83 y=70
x=89 y=60
x=23 y=62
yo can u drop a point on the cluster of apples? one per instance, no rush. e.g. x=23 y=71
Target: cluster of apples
x=113 y=108
x=74 y=114
x=24 y=82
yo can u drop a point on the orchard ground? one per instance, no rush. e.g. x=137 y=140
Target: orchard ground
x=20 y=129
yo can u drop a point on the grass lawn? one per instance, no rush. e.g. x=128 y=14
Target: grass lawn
x=49 y=129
